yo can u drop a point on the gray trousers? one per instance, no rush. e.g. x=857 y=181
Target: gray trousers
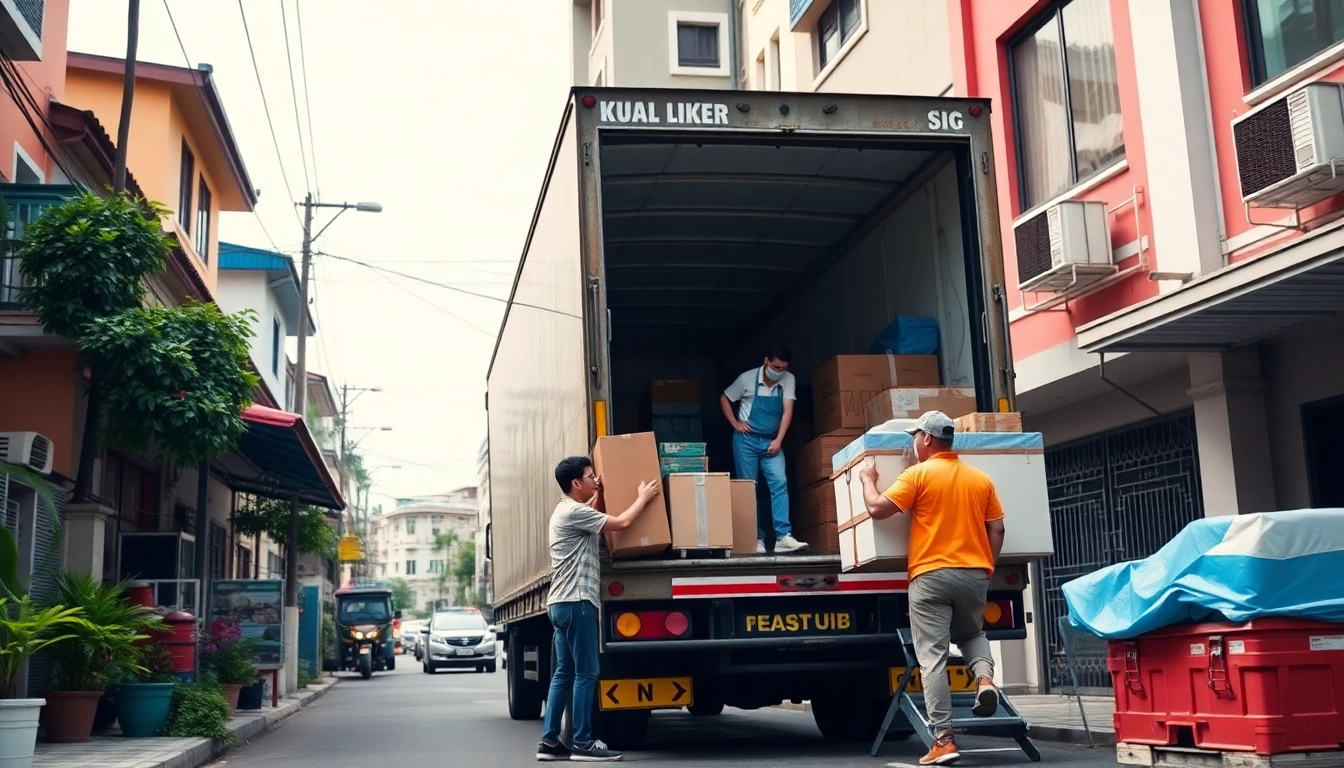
x=948 y=606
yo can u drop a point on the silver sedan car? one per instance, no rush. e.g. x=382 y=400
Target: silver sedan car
x=458 y=639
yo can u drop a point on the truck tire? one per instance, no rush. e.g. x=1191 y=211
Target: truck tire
x=524 y=695
x=843 y=719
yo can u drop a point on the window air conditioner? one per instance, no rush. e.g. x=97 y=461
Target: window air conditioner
x=27 y=449
x=1287 y=149
x=1066 y=246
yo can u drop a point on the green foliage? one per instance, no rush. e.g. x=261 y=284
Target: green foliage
x=101 y=648
x=26 y=629
x=305 y=679
x=175 y=375
x=328 y=636
x=271 y=517
x=464 y=569
x=403 y=596
x=200 y=711
x=156 y=665
x=83 y=260
x=227 y=656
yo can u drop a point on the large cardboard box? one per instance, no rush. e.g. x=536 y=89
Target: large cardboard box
x=989 y=422
x=813 y=461
x=744 y=517
x=813 y=505
x=844 y=411
x=874 y=373
x=911 y=403
x=1014 y=461
x=701 y=506
x=623 y=462
x=674 y=391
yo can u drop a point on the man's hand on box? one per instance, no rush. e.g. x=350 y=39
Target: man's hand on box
x=868 y=473
x=648 y=490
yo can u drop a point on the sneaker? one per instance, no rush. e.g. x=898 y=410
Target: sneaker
x=551 y=752
x=944 y=752
x=787 y=543
x=760 y=547
x=986 y=699
x=595 y=752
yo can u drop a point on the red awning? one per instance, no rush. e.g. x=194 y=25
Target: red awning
x=277 y=458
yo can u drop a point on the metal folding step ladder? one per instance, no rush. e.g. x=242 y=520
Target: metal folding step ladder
x=907 y=712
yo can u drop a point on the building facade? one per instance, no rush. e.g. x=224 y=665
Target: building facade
x=419 y=540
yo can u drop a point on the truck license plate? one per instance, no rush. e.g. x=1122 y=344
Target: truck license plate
x=463 y=651
x=796 y=623
x=959 y=680
x=648 y=693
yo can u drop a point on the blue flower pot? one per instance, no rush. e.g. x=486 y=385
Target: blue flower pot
x=142 y=708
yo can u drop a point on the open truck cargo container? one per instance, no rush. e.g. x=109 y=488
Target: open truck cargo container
x=678 y=235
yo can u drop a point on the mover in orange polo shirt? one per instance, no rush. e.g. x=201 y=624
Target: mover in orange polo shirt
x=956 y=533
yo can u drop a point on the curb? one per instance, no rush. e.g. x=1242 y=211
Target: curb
x=1052 y=733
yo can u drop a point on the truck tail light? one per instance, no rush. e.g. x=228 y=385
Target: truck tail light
x=999 y=614
x=652 y=625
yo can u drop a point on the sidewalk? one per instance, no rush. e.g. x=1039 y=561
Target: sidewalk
x=1050 y=718
x=120 y=752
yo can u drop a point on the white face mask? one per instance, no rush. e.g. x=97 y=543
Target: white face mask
x=772 y=374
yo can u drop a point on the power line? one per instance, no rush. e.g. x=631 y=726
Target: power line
x=274 y=140
x=307 y=103
x=431 y=304
x=182 y=46
x=294 y=92
x=450 y=287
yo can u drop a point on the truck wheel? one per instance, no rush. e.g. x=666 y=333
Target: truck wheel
x=707 y=709
x=524 y=695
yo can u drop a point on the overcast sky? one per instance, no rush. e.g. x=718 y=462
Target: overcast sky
x=444 y=111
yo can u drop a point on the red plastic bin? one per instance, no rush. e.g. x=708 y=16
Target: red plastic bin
x=1267 y=686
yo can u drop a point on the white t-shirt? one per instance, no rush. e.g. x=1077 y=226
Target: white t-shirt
x=744 y=389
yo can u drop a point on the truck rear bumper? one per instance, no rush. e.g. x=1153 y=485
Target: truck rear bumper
x=770 y=643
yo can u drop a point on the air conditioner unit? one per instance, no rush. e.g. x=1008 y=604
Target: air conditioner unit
x=1290 y=152
x=1064 y=247
x=27 y=449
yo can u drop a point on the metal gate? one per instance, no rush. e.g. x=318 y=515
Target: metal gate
x=1117 y=497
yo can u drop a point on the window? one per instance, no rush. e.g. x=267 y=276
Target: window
x=25 y=168
x=837 y=25
x=437 y=566
x=184 y=189
x=1285 y=33
x=436 y=530
x=219 y=546
x=275 y=565
x=410 y=525
x=697 y=45
x=275 y=347
x=410 y=567
x=242 y=563
x=203 y=222
x=1066 y=99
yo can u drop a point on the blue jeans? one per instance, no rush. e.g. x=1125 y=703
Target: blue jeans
x=575 y=678
x=749 y=455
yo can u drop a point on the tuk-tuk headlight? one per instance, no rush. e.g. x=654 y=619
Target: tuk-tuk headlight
x=357 y=634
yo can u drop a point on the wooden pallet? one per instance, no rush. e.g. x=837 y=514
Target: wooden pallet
x=1185 y=757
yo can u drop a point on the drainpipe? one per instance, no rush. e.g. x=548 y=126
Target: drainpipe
x=734 y=43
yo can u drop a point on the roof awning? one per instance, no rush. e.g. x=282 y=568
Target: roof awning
x=277 y=458
x=1247 y=302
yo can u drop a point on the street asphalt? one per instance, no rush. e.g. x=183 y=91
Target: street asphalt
x=407 y=718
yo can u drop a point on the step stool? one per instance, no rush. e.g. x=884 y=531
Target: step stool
x=907 y=712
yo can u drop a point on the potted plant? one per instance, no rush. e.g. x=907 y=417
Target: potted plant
x=227 y=659
x=100 y=649
x=25 y=629
x=145 y=697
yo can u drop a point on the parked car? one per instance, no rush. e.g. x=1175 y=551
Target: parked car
x=410 y=636
x=458 y=639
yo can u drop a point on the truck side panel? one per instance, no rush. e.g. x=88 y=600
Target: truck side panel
x=538 y=401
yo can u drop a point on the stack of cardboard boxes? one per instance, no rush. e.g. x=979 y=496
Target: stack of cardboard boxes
x=698 y=511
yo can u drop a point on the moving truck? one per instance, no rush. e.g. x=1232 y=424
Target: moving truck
x=679 y=234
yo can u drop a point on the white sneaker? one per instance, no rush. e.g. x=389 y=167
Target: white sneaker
x=789 y=544
x=760 y=547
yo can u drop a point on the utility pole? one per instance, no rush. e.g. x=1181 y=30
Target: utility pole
x=301 y=364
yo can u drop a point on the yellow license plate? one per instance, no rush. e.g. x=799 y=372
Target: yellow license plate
x=648 y=693
x=959 y=679
x=801 y=623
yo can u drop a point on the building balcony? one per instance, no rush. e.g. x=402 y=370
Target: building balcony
x=23 y=204
x=21 y=29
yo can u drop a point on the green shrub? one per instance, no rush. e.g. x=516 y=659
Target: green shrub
x=199 y=711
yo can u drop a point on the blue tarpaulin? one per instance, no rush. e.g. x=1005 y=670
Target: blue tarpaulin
x=1234 y=568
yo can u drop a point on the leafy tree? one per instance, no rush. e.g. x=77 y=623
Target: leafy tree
x=181 y=378
x=84 y=260
x=464 y=568
x=271 y=517
x=403 y=596
x=444 y=542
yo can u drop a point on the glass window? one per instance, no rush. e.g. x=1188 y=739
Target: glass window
x=450 y=620
x=837 y=24
x=1285 y=33
x=187 y=175
x=203 y=203
x=1067 y=100
x=698 y=45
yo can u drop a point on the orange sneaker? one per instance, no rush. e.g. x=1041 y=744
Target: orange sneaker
x=944 y=752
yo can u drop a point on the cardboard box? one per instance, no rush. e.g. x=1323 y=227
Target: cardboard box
x=874 y=373
x=744 y=517
x=675 y=391
x=623 y=462
x=911 y=403
x=989 y=422
x=813 y=461
x=813 y=505
x=701 y=507
x=844 y=411
x=820 y=539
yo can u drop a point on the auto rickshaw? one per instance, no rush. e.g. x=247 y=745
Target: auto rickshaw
x=364 y=629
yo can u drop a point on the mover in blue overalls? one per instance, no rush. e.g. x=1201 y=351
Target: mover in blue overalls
x=764 y=398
